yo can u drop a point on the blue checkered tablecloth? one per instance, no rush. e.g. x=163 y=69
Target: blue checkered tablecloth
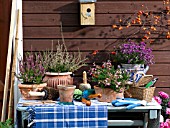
x=68 y=116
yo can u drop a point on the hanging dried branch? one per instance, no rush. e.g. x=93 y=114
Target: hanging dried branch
x=151 y=24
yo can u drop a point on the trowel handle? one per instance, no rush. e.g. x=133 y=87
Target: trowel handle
x=95 y=95
x=87 y=102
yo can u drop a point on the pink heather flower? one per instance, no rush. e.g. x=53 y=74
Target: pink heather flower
x=168 y=111
x=158 y=99
x=163 y=95
x=164 y=125
x=168 y=121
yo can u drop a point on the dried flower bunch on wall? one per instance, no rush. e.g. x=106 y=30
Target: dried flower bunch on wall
x=152 y=24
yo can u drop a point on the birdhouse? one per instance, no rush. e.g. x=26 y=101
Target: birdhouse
x=87 y=12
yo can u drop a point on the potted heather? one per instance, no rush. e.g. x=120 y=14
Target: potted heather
x=133 y=55
x=31 y=74
x=110 y=81
x=60 y=65
x=164 y=100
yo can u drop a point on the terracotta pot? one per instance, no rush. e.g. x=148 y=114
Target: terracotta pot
x=54 y=79
x=66 y=92
x=108 y=94
x=25 y=88
x=120 y=95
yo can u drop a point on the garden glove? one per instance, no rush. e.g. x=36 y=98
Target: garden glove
x=128 y=102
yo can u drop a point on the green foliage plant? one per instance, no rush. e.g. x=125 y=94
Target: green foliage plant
x=7 y=124
x=108 y=77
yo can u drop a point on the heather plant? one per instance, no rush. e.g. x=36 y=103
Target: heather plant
x=134 y=53
x=164 y=100
x=165 y=124
x=31 y=69
x=61 y=60
x=108 y=77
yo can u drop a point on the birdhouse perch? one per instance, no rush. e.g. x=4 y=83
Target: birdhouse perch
x=87 y=12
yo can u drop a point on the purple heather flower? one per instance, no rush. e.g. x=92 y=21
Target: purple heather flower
x=129 y=61
x=158 y=99
x=168 y=111
x=163 y=95
x=142 y=43
x=31 y=69
x=32 y=64
x=137 y=52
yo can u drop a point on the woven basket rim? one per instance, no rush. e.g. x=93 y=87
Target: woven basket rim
x=143 y=80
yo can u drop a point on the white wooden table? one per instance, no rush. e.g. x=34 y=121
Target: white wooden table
x=150 y=116
x=144 y=116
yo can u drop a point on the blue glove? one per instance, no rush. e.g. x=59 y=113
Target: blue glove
x=131 y=106
x=128 y=102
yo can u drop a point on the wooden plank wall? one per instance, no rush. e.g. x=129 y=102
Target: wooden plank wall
x=41 y=25
x=5 y=10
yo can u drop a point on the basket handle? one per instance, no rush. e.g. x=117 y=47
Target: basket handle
x=136 y=75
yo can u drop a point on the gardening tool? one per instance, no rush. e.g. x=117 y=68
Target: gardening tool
x=46 y=93
x=84 y=86
x=151 y=83
x=85 y=96
x=130 y=103
x=86 y=100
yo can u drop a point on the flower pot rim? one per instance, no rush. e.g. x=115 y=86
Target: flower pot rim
x=33 y=83
x=21 y=85
x=69 y=86
x=58 y=73
x=66 y=87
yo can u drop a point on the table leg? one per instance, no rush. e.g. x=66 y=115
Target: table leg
x=145 y=120
x=19 y=119
x=154 y=123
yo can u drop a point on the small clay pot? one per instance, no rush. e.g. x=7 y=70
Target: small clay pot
x=66 y=92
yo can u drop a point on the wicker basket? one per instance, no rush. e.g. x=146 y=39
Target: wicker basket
x=143 y=80
x=142 y=93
